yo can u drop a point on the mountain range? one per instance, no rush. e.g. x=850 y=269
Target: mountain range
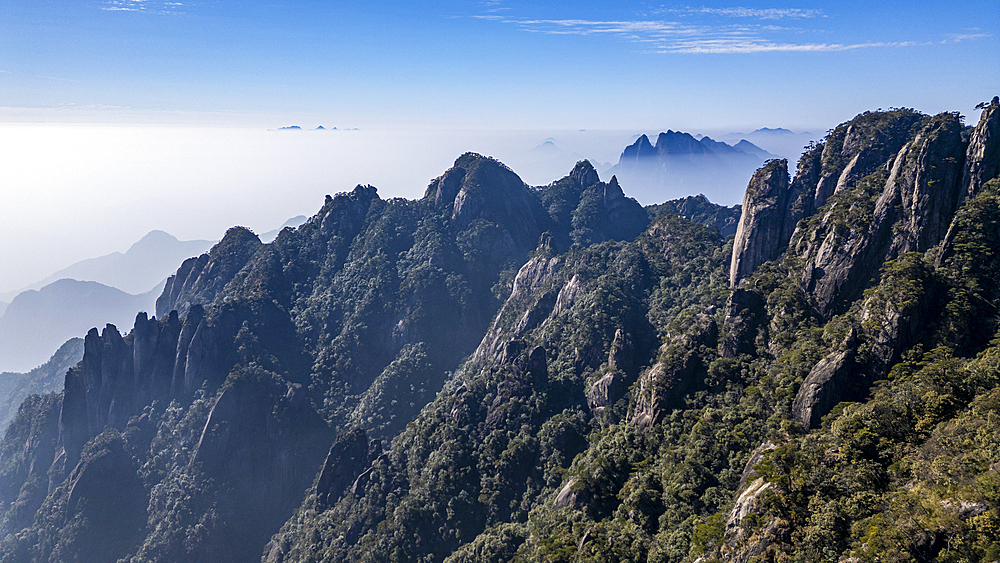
x=145 y=264
x=46 y=378
x=93 y=292
x=679 y=165
x=499 y=372
x=37 y=322
x=778 y=140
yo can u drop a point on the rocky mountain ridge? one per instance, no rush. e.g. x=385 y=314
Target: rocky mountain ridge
x=498 y=372
x=679 y=165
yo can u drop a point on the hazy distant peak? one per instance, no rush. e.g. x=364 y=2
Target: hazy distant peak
x=547 y=147
x=294 y=221
x=153 y=240
x=680 y=161
x=641 y=148
x=147 y=262
x=157 y=234
x=38 y=321
x=678 y=142
x=750 y=148
x=775 y=131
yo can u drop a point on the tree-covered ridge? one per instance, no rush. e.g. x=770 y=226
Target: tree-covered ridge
x=498 y=442
x=356 y=317
x=497 y=372
x=669 y=474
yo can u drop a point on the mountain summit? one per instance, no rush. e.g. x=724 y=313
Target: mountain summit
x=679 y=165
x=499 y=372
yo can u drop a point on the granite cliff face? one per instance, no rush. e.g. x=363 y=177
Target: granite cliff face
x=982 y=160
x=227 y=400
x=498 y=372
x=879 y=187
x=916 y=196
x=759 y=236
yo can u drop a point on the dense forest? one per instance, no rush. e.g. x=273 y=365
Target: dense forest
x=498 y=372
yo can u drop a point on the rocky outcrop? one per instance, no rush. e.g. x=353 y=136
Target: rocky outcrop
x=892 y=319
x=349 y=456
x=584 y=175
x=914 y=207
x=828 y=383
x=663 y=386
x=571 y=495
x=773 y=208
x=759 y=237
x=264 y=443
x=104 y=493
x=583 y=210
x=199 y=280
x=743 y=314
x=802 y=191
x=741 y=543
x=612 y=386
x=118 y=376
x=28 y=450
x=982 y=159
x=525 y=371
x=855 y=149
x=621 y=217
x=528 y=294
x=482 y=188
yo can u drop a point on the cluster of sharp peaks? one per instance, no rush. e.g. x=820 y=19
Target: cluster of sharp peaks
x=501 y=372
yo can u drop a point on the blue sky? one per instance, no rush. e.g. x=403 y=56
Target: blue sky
x=122 y=116
x=492 y=64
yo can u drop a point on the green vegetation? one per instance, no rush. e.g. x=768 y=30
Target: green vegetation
x=502 y=373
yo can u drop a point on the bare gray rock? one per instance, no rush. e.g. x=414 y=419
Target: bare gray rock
x=982 y=159
x=824 y=387
x=759 y=237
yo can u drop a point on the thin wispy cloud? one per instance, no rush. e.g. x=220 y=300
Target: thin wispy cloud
x=694 y=32
x=738 y=47
x=145 y=6
x=55 y=78
x=958 y=38
x=739 y=12
x=493 y=5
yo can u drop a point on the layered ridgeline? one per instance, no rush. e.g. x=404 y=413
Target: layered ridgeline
x=674 y=398
x=679 y=164
x=497 y=372
x=193 y=437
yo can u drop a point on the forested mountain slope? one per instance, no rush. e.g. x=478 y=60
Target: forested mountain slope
x=625 y=393
x=215 y=416
x=504 y=373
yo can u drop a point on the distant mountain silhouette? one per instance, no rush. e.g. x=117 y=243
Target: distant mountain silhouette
x=547 y=147
x=46 y=378
x=780 y=141
x=680 y=164
x=145 y=264
x=273 y=233
x=37 y=322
